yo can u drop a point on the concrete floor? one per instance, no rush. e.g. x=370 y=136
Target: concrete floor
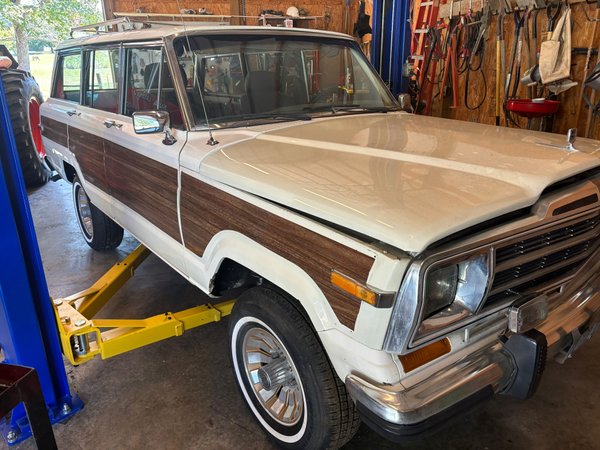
x=180 y=393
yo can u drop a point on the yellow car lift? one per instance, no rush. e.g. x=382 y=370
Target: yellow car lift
x=83 y=337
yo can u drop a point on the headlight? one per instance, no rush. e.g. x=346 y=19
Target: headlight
x=453 y=290
x=440 y=289
x=436 y=296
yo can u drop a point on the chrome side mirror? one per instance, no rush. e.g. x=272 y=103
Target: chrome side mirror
x=405 y=101
x=150 y=122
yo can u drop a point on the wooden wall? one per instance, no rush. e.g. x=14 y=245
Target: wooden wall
x=332 y=8
x=570 y=100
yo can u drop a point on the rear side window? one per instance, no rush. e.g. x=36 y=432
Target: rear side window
x=102 y=80
x=67 y=85
x=149 y=84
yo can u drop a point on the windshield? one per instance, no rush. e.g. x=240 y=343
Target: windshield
x=247 y=77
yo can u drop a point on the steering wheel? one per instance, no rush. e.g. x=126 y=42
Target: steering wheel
x=323 y=94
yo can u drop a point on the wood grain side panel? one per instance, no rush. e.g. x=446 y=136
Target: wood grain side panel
x=206 y=210
x=89 y=152
x=144 y=185
x=55 y=131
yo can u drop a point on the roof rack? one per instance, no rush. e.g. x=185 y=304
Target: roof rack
x=94 y=28
x=175 y=18
x=178 y=16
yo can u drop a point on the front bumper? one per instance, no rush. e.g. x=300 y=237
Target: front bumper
x=407 y=409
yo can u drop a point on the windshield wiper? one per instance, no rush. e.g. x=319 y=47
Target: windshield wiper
x=352 y=108
x=247 y=118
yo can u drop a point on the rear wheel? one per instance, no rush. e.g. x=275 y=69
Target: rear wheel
x=24 y=99
x=285 y=376
x=99 y=231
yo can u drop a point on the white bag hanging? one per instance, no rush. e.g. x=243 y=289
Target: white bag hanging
x=555 y=54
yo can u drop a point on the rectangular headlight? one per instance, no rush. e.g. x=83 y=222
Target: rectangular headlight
x=462 y=284
x=436 y=295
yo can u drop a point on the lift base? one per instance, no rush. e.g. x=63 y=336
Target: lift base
x=83 y=337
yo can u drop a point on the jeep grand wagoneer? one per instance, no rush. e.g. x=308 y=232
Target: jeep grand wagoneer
x=388 y=267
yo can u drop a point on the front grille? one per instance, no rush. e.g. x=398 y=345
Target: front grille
x=535 y=260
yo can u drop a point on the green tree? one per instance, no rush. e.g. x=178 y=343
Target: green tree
x=49 y=20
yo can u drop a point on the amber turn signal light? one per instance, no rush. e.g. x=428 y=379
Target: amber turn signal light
x=353 y=288
x=424 y=355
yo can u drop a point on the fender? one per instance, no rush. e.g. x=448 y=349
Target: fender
x=338 y=341
x=266 y=263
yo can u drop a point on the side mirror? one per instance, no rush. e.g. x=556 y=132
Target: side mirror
x=405 y=101
x=150 y=122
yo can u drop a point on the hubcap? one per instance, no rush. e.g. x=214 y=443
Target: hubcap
x=272 y=374
x=36 y=127
x=84 y=211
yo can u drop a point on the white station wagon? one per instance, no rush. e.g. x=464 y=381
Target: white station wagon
x=389 y=268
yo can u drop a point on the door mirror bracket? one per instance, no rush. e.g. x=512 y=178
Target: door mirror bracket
x=169 y=138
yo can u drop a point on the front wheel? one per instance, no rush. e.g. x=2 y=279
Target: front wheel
x=99 y=231
x=285 y=376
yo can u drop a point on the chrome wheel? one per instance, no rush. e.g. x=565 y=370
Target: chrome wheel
x=84 y=212
x=273 y=376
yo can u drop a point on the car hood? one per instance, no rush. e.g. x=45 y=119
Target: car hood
x=402 y=179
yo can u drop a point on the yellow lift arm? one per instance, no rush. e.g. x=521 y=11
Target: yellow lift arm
x=83 y=337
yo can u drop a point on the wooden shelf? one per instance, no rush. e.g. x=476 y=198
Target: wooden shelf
x=266 y=18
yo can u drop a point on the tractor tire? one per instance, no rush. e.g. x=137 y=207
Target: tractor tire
x=24 y=99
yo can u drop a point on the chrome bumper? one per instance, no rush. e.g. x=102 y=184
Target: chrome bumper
x=573 y=317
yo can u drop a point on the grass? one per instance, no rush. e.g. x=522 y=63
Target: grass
x=41 y=69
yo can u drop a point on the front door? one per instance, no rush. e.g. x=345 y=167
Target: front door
x=142 y=171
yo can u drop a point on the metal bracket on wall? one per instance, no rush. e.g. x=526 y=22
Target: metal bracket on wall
x=83 y=337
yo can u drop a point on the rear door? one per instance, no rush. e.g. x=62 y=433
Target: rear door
x=142 y=171
x=100 y=101
x=62 y=105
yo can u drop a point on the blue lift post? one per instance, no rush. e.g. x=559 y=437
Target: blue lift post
x=390 y=46
x=28 y=334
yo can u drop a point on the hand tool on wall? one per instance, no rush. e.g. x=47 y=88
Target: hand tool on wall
x=478 y=51
x=515 y=63
x=552 y=17
x=528 y=42
x=521 y=25
x=595 y=77
x=534 y=33
x=425 y=91
x=450 y=64
x=500 y=65
x=466 y=22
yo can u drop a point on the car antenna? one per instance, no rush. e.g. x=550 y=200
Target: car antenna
x=211 y=139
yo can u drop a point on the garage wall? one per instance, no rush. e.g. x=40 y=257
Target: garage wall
x=332 y=8
x=571 y=107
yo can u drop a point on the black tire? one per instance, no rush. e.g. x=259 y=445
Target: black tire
x=21 y=88
x=328 y=417
x=99 y=231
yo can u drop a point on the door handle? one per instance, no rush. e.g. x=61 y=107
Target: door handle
x=73 y=112
x=111 y=123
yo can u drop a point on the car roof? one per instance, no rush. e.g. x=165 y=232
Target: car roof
x=156 y=32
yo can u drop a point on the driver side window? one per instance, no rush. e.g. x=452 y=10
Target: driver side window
x=149 y=84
